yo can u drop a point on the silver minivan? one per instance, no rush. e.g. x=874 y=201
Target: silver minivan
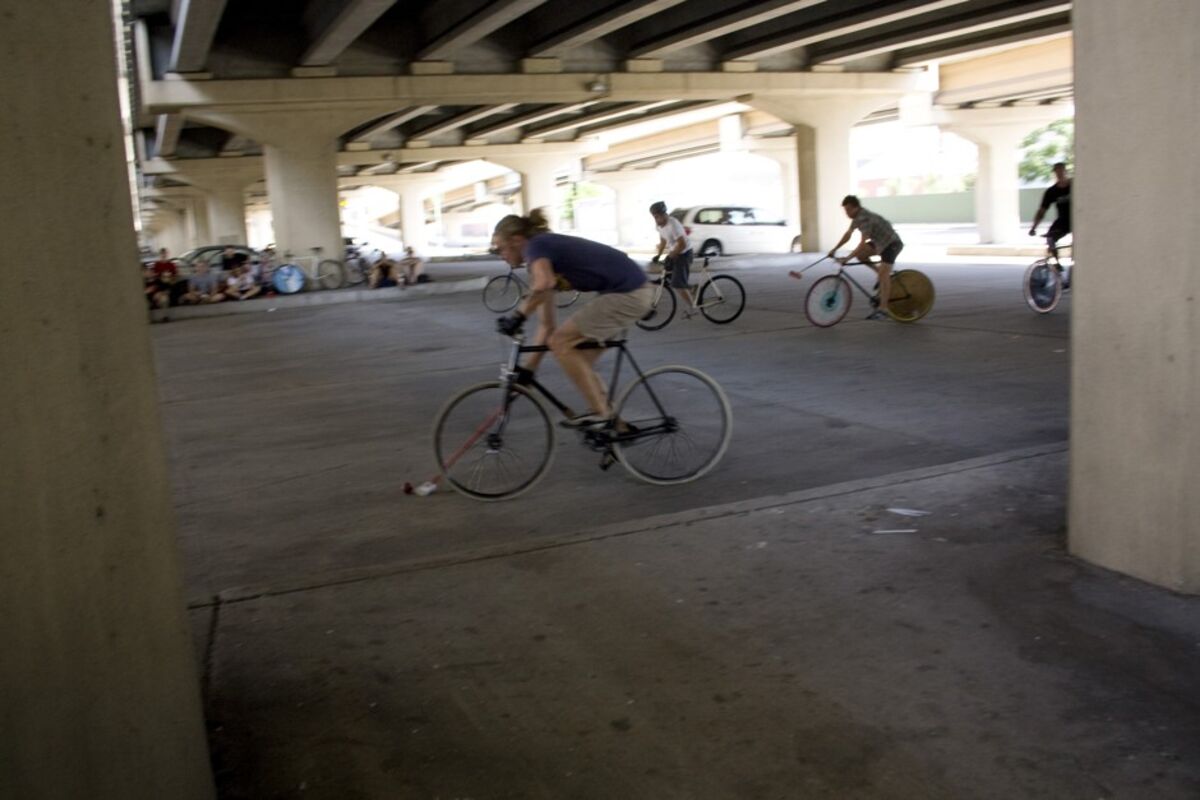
x=725 y=230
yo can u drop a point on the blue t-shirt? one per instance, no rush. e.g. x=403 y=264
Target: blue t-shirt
x=588 y=266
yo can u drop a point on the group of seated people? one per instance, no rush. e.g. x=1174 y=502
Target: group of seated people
x=242 y=277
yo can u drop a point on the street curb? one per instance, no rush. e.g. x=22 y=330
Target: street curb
x=323 y=298
x=631 y=527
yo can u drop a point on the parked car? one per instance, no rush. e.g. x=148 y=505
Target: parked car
x=724 y=230
x=212 y=253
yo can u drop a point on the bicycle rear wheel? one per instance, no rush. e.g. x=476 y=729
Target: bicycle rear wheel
x=492 y=447
x=674 y=424
x=1043 y=286
x=356 y=271
x=911 y=297
x=722 y=299
x=662 y=309
x=828 y=301
x=565 y=299
x=331 y=274
x=502 y=293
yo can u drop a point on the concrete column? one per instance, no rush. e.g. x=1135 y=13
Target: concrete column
x=998 y=132
x=823 y=174
x=100 y=693
x=539 y=188
x=413 y=191
x=226 y=214
x=785 y=153
x=303 y=192
x=635 y=226
x=1135 y=378
x=196 y=219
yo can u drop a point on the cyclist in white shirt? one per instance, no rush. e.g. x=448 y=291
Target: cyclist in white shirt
x=673 y=240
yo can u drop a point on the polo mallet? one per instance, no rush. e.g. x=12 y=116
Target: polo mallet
x=799 y=275
x=430 y=486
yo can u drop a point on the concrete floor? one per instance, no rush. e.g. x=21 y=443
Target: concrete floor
x=749 y=635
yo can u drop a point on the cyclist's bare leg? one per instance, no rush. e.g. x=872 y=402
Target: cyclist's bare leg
x=884 y=271
x=578 y=365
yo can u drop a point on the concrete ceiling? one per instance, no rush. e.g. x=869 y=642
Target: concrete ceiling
x=300 y=39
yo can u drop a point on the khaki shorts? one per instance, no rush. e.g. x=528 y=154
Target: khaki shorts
x=608 y=316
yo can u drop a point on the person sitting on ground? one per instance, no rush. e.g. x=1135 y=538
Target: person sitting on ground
x=203 y=286
x=240 y=286
x=231 y=258
x=624 y=297
x=1059 y=196
x=412 y=265
x=166 y=277
x=383 y=274
x=673 y=240
x=879 y=238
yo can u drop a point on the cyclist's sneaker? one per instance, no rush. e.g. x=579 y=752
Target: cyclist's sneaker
x=582 y=421
x=878 y=315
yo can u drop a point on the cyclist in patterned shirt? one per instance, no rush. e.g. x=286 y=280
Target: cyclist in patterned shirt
x=879 y=238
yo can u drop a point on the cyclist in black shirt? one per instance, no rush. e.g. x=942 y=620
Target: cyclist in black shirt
x=1059 y=196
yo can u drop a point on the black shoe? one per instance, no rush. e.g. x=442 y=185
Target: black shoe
x=878 y=315
x=582 y=421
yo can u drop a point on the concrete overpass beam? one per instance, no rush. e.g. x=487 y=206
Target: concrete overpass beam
x=1135 y=377
x=303 y=192
x=539 y=181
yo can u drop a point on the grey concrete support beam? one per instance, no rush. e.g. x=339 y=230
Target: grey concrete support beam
x=393 y=121
x=195 y=26
x=167 y=129
x=950 y=30
x=594 y=119
x=101 y=696
x=473 y=27
x=334 y=26
x=719 y=25
x=525 y=120
x=837 y=26
x=459 y=120
x=1135 y=372
x=600 y=24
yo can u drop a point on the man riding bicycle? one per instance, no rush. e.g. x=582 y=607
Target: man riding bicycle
x=879 y=238
x=673 y=240
x=1059 y=196
x=625 y=296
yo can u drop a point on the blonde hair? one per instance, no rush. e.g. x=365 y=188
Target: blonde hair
x=529 y=226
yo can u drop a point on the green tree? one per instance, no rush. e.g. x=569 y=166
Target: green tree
x=1045 y=147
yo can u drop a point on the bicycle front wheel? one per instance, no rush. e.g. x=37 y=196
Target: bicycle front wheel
x=828 y=301
x=673 y=425
x=565 y=299
x=491 y=445
x=662 y=309
x=722 y=299
x=1043 y=287
x=502 y=293
x=331 y=274
x=911 y=297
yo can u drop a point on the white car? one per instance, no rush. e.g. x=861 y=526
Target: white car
x=724 y=230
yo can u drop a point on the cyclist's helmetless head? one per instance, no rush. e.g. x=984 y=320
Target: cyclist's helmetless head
x=851 y=205
x=659 y=212
x=1060 y=172
x=513 y=232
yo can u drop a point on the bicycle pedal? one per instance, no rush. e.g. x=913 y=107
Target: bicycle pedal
x=608 y=460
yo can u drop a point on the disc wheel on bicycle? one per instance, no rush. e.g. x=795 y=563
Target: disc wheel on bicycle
x=722 y=299
x=288 y=279
x=331 y=274
x=674 y=424
x=828 y=301
x=1043 y=286
x=490 y=447
x=502 y=293
x=911 y=296
x=662 y=310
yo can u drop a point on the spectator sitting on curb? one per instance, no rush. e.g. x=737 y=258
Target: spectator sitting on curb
x=240 y=285
x=413 y=267
x=383 y=274
x=202 y=286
